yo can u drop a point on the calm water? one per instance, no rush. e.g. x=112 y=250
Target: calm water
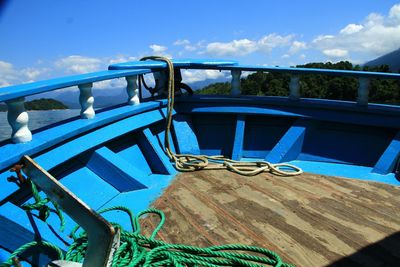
x=37 y=119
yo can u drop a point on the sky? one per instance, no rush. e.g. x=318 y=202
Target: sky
x=41 y=39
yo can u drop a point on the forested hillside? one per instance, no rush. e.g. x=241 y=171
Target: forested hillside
x=315 y=86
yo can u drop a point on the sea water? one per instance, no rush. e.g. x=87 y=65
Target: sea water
x=37 y=119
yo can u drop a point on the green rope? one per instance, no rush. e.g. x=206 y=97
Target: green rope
x=30 y=245
x=138 y=250
x=41 y=206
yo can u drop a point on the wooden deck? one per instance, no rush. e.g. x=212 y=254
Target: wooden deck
x=309 y=220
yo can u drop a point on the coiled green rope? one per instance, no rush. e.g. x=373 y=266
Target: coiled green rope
x=138 y=250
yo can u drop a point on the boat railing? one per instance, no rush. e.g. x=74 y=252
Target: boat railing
x=14 y=96
x=294 y=85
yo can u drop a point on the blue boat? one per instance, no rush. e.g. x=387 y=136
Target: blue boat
x=314 y=180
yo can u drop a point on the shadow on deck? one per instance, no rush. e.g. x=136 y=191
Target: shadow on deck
x=382 y=253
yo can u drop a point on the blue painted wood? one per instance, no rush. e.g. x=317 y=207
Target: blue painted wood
x=345 y=143
x=19 y=228
x=179 y=63
x=83 y=179
x=134 y=155
x=154 y=153
x=215 y=133
x=158 y=130
x=63 y=131
x=354 y=116
x=137 y=200
x=290 y=145
x=91 y=140
x=4 y=255
x=268 y=101
x=116 y=171
x=15 y=91
x=237 y=150
x=262 y=133
x=186 y=140
x=389 y=158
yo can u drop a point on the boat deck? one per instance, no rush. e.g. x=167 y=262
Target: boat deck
x=309 y=220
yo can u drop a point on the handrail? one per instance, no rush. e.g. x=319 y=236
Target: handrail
x=27 y=89
x=14 y=96
x=300 y=71
x=178 y=63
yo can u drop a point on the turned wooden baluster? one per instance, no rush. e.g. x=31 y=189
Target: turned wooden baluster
x=294 y=87
x=18 y=119
x=363 y=91
x=132 y=90
x=86 y=100
x=235 y=84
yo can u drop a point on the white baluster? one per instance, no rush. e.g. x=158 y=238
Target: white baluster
x=132 y=90
x=363 y=91
x=86 y=100
x=18 y=119
x=294 y=87
x=235 y=84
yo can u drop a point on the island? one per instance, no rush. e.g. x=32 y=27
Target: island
x=40 y=104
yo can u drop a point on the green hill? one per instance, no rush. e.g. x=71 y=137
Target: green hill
x=391 y=59
x=40 y=104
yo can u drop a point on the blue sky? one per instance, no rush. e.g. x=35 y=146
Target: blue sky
x=42 y=39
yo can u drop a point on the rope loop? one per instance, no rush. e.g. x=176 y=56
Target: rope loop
x=41 y=205
x=187 y=162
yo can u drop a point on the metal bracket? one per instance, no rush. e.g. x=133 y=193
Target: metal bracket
x=103 y=239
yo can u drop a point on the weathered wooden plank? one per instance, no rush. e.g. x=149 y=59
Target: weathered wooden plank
x=310 y=220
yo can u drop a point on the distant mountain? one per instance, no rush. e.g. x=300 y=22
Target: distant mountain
x=106 y=97
x=102 y=97
x=201 y=84
x=391 y=59
x=40 y=104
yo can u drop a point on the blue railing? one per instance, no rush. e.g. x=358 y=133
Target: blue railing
x=14 y=96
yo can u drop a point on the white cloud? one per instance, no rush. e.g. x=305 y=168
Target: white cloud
x=246 y=46
x=186 y=45
x=11 y=76
x=234 y=48
x=158 y=49
x=297 y=46
x=351 y=28
x=394 y=14
x=121 y=58
x=336 y=53
x=79 y=64
x=191 y=76
x=273 y=40
x=7 y=74
x=182 y=42
x=33 y=73
x=375 y=36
